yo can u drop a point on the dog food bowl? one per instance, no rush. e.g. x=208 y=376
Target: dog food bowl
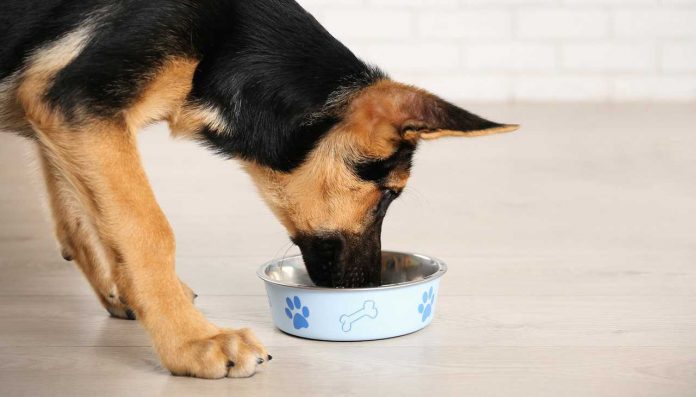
x=405 y=303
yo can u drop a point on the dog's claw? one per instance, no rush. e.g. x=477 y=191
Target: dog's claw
x=259 y=361
x=230 y=364
x=270 y=357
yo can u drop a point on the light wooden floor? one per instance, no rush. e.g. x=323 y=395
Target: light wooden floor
x=571 y=245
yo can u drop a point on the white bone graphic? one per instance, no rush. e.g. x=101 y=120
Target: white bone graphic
x=368 y=310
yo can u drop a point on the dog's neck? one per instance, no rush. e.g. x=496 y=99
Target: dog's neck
x=267 y=74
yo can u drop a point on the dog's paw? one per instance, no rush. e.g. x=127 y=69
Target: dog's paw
x=230 y=353
x=121 y=311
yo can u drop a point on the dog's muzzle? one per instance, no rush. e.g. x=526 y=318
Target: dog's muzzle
x=340 y=260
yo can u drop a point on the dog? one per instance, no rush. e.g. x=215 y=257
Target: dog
x=327 y=138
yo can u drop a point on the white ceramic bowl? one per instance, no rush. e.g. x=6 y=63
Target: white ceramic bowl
x=405 y=303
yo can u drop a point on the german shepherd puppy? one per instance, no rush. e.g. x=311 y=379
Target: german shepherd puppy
x=327 y=139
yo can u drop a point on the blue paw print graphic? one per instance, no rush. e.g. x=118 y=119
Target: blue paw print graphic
x=297 y=313
x=426 y=308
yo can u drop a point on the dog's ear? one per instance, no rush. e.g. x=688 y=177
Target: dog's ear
x=426 y=116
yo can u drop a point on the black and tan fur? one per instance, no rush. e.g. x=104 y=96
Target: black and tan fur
x=328 y=140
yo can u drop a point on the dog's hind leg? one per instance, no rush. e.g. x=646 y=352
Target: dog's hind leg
x=78 y=238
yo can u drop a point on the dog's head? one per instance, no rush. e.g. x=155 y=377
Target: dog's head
x=333 y=204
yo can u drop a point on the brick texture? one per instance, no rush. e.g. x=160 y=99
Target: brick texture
x=525 y=50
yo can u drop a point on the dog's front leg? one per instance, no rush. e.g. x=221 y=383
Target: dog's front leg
x=101 y=161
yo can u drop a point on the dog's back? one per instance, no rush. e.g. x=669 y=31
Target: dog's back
x=95 y=58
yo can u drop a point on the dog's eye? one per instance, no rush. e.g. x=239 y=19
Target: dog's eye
x=378 y=170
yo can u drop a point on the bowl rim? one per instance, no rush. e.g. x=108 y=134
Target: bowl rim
x=442 y=269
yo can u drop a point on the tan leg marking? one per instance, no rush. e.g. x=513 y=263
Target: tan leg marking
x=112 y=188
x=99 y=161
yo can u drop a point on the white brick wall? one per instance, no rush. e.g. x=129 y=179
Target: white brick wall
x=526 y=50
